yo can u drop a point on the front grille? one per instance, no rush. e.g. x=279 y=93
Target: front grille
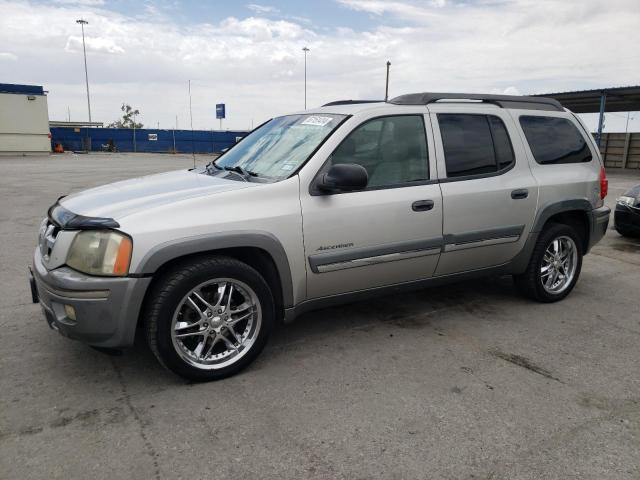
x=47 y=238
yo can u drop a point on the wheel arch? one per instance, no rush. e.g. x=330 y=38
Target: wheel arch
x=576 y=213
x=260 y=250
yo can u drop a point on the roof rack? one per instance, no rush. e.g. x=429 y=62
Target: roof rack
x=503 y=101
x=350 y=102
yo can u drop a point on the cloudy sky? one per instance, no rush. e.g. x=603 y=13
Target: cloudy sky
x=248 y=55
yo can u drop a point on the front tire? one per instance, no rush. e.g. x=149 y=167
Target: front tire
x=209 y=318
x=554 y=266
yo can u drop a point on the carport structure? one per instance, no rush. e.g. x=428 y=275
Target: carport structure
x=615 y=99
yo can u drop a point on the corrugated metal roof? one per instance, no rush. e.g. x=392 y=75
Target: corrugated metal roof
x=618 y=99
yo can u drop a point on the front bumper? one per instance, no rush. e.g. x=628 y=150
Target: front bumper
x=627 y=218
x=106 y=308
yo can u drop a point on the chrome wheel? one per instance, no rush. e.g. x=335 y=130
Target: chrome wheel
x=216 y=323
x=559 y=264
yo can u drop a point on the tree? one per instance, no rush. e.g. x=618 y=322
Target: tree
x=128 y=118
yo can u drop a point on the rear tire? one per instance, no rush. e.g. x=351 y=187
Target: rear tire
x=554 y=266
x=209 y=318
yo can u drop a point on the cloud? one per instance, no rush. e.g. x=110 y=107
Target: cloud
x=405 y=10
x=255 y=65
x=95 y=44
x=7 y=56
x=262 y=9
x=511 y=90
x=86 y=3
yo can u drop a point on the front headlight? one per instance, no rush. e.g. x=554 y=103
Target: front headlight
x=631 y=201
x=100 y=252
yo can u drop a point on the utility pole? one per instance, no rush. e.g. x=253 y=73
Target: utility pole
x=386 y=90
x=86 y=75
x=305 y=50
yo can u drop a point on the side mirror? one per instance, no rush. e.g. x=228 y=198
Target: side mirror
x=343 y=177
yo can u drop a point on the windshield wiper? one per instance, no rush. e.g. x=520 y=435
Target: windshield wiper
x=240 y=170
x=212 y=164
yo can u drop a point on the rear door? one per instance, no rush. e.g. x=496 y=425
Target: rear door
x=489 y=193
x=389 y=233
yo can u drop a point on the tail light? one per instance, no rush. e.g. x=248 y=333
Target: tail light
x=604 y=183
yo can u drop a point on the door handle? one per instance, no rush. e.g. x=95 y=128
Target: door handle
x=520 y=194
x=422 y=205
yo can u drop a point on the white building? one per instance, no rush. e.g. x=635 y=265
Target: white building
x=24 y=120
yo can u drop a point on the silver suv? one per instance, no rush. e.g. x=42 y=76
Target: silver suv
x=318 y=208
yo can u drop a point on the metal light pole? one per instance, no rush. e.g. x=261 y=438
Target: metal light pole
x=305 y=50
x=86 y=75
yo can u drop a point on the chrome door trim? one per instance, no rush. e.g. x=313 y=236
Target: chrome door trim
x=452 y=247
x=363 y=256
x=482 y=238
x=366 y=261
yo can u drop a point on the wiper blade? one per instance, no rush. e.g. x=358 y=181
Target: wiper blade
x=212 y=164
x=240 y=170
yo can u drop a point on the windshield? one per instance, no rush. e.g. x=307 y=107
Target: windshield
x=277 y=148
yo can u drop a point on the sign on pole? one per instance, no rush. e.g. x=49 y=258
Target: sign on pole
x=220 y=110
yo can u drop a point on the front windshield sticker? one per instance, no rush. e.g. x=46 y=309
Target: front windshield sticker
x=287 y=166
x=317 y=121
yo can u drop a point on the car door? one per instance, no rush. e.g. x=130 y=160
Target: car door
x=388 y=233
x=489 y=193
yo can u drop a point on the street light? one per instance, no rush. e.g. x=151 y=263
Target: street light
x=305 y=50
x=86 y=75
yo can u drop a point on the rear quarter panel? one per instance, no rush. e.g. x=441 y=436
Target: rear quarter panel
x=558 y=182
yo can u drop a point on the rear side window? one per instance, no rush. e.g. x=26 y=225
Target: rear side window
x=474 y=144
x=554 y=140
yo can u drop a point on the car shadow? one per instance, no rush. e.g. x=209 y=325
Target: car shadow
x=412 y=310
x=415 y=309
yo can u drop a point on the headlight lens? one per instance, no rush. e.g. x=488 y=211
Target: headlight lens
x=100 y=252
x=631 y=201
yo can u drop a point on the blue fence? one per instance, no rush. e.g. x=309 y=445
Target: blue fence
x=146 y=140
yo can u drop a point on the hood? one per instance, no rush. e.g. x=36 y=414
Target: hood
x=633 y=192
x=120 y=199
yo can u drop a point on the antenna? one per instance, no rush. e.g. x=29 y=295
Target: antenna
x=386 y=90
x=193 y=150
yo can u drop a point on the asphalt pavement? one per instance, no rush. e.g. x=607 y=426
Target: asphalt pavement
x=466 y=381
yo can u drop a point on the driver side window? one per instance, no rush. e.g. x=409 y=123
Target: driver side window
x=392 y=149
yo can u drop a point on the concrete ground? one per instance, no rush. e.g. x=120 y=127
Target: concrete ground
x=467 y=381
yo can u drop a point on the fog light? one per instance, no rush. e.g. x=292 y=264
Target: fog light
x=70 y=312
